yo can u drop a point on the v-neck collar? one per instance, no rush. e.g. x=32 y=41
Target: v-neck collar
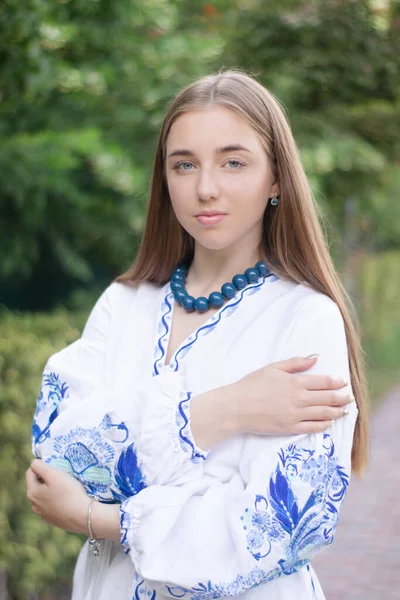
x=165 y=320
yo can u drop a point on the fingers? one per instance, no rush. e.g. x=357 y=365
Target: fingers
x=45 y=473
x=307 y=427
x=35 y=509
x=324 y=413
x=40 y=469
x=296 y=364
x=327 y=398
x=32 y=484
x=31 y=479
x=319 y=418
x=323 y=382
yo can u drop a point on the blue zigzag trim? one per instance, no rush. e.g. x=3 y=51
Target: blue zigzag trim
x=196 y=455
x=230 y=307
x=160 y=339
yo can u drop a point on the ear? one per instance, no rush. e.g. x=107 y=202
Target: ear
x=274 y=191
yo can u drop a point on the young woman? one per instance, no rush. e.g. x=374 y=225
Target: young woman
x=209 y=403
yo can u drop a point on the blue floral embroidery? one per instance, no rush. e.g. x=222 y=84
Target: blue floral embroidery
x=182 y=422
x=128 y=477
x=52 y=392
x=122 y=432
x=280 y=519
x=85 y=454
x=125 y=526
x=298 y=528
x=209 y=591
x=90 y=457
x=140 y=589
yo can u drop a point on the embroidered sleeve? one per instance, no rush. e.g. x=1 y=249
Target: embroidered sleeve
x=209 y=540
x=113 y=445
x=73 y=428
x=73 y=373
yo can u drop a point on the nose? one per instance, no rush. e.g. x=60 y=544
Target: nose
x=207 y=185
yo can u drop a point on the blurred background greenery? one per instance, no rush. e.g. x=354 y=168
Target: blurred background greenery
x=83 y=87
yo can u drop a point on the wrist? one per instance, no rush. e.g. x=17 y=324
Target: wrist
x=214 y=417
x=232 y=401
x=229 y=405
x=81 y=517
x=105 y=521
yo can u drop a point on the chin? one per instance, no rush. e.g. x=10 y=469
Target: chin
x=216 y=242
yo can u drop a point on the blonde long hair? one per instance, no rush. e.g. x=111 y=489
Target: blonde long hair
x=292 y=237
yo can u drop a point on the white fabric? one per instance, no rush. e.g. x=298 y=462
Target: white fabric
x=245 y=518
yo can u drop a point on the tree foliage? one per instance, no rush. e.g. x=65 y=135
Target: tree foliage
x=335 y=65
x=84 y=85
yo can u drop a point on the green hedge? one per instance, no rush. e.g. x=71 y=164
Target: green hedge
x=380 y=319
x=34 y=556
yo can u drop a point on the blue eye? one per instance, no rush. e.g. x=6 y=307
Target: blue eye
x=235 y=164
x=184 y=166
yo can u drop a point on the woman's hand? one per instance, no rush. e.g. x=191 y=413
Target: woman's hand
x=62 y=501
x=277 y=400
x=274 y=400
x=57 y=497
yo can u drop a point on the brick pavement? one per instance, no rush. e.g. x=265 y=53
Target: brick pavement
x=364 y=561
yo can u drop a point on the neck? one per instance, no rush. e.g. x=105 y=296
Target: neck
x=210 y=269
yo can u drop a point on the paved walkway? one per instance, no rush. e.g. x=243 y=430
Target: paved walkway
x=364 y=561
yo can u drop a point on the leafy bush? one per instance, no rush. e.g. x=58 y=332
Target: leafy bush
x=33 y=555
x=380 y=318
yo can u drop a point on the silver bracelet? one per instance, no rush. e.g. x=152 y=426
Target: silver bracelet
x=94 y=543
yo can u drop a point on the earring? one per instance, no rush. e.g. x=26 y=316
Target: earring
x=274 y=201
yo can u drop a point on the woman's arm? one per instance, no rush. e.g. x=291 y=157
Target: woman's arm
x=62 y=501
x=272 y=400
x=177 y=430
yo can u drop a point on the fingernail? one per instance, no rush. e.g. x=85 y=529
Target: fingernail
x=312 y=356
x=331 y=423
x=341 y=383
x=352 y=398
x=345 y=411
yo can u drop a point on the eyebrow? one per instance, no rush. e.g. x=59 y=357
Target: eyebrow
x=220 y=150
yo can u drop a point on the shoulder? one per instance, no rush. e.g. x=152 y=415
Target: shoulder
x=113 y=305
x=117 y=294
x=306 y=303
x=313 y=324
x=307 y=313
x=308 y=300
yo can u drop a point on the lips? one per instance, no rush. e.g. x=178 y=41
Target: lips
x=210 y=218
x=210 y=213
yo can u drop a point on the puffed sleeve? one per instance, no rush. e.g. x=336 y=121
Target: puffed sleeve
x=114 y=444
x=222 y=538
x=75 y=372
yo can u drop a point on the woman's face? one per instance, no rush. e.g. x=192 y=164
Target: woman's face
x=219 y=177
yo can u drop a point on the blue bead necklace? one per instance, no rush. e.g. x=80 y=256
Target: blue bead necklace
x=215 y=299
